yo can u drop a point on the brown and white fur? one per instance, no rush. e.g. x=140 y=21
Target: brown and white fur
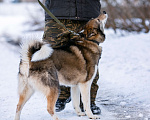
x=44 y=69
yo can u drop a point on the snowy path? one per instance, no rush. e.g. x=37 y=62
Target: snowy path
x=124 y=82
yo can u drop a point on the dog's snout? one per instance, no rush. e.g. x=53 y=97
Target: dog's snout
x=104 y=12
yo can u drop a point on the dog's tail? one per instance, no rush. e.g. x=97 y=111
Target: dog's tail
x=33 y=51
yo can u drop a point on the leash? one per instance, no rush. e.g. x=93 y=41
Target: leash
x=52 y=16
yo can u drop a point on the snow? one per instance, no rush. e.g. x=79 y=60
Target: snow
x=124 y=83
x=126 y=60
x=125 y=73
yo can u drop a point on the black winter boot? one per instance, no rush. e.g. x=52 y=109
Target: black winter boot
x=95 y=109
x=61 y=103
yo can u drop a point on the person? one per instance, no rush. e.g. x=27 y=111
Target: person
x=73 y=14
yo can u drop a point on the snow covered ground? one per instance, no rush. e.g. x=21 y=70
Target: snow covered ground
x=125 y=75
x=124 y=84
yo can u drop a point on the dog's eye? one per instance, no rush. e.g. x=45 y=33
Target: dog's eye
x=98 y=20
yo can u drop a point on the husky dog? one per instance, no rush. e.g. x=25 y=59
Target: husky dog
x=43 y=68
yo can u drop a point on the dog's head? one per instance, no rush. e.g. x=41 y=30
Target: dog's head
x=94 y=29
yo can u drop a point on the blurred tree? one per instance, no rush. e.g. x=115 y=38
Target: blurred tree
x=131 y=15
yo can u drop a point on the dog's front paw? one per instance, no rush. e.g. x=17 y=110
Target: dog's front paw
x=94 y=117
x=81 y=114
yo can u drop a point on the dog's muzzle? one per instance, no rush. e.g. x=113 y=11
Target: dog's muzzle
x=102 y=19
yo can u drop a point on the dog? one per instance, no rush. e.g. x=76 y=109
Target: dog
x=43 y=68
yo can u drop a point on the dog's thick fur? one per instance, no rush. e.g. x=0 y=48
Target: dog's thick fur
x=43 y=68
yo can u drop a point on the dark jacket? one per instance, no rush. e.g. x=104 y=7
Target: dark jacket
x=73 y=9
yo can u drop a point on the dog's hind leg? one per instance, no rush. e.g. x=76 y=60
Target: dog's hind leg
x=23 y=98
x=51 y=101
x=75 y=96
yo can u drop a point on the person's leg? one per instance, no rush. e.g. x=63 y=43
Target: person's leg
x=51 y=31
x=64 y=97
x=94 y=88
